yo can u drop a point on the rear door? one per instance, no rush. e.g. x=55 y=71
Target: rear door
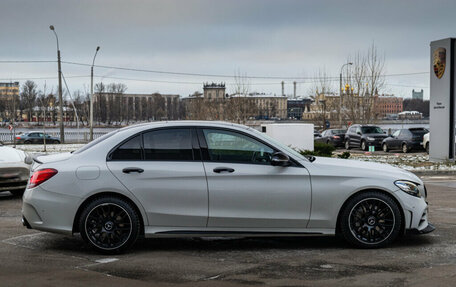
x=245 y=190
x=163 y=169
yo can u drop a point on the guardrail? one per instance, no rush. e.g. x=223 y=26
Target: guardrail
x=70 y=137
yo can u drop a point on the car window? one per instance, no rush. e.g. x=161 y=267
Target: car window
x=130 y=150
x=396 y=133
x=405 y=134
x=96 y=141
x=372 y=130
x=226 y=146
x=171 y=144
x=358 y=130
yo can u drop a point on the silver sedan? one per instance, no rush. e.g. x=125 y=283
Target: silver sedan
x=14 y=170
x=191 y=178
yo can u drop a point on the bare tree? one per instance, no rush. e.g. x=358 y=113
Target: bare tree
x=322 y=93
x=28 y=97
x=238 y=107
x=375 y=69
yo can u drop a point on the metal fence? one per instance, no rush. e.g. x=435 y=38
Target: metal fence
x=70 y=137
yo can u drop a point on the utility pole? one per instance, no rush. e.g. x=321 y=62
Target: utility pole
x=340 y=91
x=62 y=131
x=91 y=94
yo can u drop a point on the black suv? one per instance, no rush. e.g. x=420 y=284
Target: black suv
x=364 y=136
x=405 y=139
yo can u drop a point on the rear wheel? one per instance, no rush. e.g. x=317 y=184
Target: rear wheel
x=370 y=220
x=385 y=147
x=55 y=142
x=405 y=148
x=109 y=224
x=427 y=147
x=27 y=142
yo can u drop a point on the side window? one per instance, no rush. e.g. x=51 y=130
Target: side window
x=358 y=130
x=396 y=133
x=352 y=130
x=130 y=150
x=171 y=144
x=405 y=134
x=226 y=146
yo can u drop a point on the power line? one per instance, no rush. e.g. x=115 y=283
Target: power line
x=38 y=78
x=223 y=76
x=25 y=61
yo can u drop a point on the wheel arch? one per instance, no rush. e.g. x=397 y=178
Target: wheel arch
x=401 y=209
x=75 y=228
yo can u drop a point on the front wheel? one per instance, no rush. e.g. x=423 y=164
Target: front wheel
x=109 y=224
x=385 y=147
x=427 y=148
x=370 y=220
x=363 y=145
x=347 y=144
x=56 y=142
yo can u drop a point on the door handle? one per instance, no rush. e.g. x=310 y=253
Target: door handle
x=132 y=169
x=222 y=169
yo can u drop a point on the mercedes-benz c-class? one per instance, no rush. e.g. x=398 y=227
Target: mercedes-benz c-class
x=196 y=178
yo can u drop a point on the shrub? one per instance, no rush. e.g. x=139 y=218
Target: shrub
x=320 y=149
x=344 y=155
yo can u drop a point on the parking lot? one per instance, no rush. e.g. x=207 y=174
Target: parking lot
x=50 y=259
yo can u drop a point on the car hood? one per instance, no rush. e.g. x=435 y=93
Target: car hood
x=364 y=169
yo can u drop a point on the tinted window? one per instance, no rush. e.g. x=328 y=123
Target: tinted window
x=172 y=144
x=372 y=130
x=130 y=150
x=418 y=131
x=338 y=132
x=228 y=146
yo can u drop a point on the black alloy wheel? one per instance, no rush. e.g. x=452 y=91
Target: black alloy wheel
x=427 y=147
x=109 y=224
x=371 y=220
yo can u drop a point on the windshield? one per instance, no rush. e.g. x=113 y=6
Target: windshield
x=97 y=141
x=279 y=144
x=419 y=131
x=371 y=130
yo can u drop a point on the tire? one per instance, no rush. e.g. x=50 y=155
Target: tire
x=17 y=192
x=363 y=145
x=327 y=142
x=100 y=230
x=427 y=147
x=405 y=148
x=385 y=147
x=347 y=144
x=56 y=142
x=27 y=142
x=363 y=226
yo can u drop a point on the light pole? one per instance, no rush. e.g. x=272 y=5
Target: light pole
x=91 y=94
x=340 y=90
x=62 y=131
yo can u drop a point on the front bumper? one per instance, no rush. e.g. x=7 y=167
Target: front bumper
x=428 y=229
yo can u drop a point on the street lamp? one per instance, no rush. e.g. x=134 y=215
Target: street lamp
x=91 y=94
x=340 y=89
x=62 y=132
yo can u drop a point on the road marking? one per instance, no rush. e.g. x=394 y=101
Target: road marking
x=13 y=240
x=106 y=260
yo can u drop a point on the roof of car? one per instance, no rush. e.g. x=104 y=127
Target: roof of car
x=185 y=123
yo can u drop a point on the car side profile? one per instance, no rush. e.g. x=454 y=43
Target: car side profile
x=36 y=138
x=197 y=178
x=336 y=137
x=405 y=140
x=363 y=136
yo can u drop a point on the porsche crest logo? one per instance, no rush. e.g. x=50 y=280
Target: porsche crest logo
x=439 y=62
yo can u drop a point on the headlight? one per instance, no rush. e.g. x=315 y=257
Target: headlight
x=409 y=187
x=370 y=138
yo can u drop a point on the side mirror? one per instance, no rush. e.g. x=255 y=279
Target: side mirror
x=359 y=133
x=280 y=159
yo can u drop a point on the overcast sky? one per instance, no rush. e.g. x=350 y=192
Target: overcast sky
x=259 y=38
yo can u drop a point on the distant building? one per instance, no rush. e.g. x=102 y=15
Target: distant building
x=269 y=106
x=386 y=105
x=417 y=95
x=214 y=91
x=9 y=95
x=297 y=106
x=9 y=89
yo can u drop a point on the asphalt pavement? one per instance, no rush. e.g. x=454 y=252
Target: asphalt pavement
x=32 y=258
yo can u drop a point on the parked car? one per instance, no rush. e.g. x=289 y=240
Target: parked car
x=426 y=142
x=405 y=140
x=332 y=136
x=36 y=138
x=316 y=134
x=14 y=170
x=363 y=136
x=197 y=178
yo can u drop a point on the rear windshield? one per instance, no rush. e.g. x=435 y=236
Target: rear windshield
x=339 y=131
x=419 y=131
x=371 y=130
x=96 y=141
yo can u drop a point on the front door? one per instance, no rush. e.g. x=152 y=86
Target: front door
x=245 y=190
x=165 y=173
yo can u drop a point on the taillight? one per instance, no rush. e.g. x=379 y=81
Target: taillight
x=40 y=176
x=336 y=137
x=18 y=138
